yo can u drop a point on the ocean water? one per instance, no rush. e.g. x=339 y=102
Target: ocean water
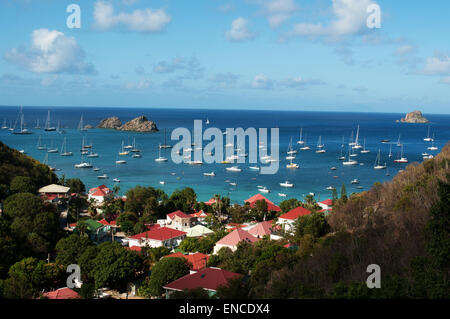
x=314 y=174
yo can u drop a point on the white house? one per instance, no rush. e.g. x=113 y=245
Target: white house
x=99 y=194
x=162 y=236
x=287 y=220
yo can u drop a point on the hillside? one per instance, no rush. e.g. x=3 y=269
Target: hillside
x=13 y=163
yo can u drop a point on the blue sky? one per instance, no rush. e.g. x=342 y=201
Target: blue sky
x=254 y=54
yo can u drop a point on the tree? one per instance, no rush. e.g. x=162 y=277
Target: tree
x=69 y=249
x=166 y=270
x=76 y=185
x=237 y=288
x=313 y=224
x=23 y=184
x=344 y=197
x=139 y=196
x=289 y=204
x=115 y=266
x=126 y=221
x=23 y=205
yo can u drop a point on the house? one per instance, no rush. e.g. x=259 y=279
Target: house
x=95 y=230
x=201 y=215
x=209 y=279
x=179 y=220
x=262 y=229
x=99 y=194
x=196 y=261
x=233 y=239
x=326 y=205
x=158 y=237
x=287 y=220
x=62 y=293
x=199 y=231
x=54 y=192
x=211 y=201
x=270 y=205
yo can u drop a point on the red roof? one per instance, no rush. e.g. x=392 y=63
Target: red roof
x=178 y=213
x=270 y=206
x=295 y=213
x=208 y=278
x=197 y=261
x=236 y=236
x=134 y=248
x=200 y=214
x=102 y=190
x=261 y=229
x=327 y=202
x=162 y=233
x=62 y=293
x=211 y=201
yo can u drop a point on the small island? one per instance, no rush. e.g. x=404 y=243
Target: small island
x=139 y=124
x=414 y=117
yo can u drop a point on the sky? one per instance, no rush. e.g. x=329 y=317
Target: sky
x=312 y=55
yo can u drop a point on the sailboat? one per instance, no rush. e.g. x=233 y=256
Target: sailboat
x=91 y=154
x=233 y=169
x=37 y=124
x=165 y=145
x=209 y=174
x=39 y=145
x=134 y=148
x=377 y=162
x=305 y=147
x=350 y=161
x=64 y=149
x=401 y=159
x=120 y=161
x=59 y=130
x=122 y=152
x=292 y=165
x=398 y=141
x=45 y=162
x=207 y=121
x=11 y=127
x=290 y=150
x=83 y=164
x=300 y=141
x=390 y=150
x=23 y=130
x=160 y=158
x=81 y=125
x=356 y=144
x=432 y=147
x=48 y=127
x=51 y=149
x=351 y=143
x=364 y=151
x=320 y=146
x=342 y=157
x=428 y=138
x=128 y=146
x=4 y=127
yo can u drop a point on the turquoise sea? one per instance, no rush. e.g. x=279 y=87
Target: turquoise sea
x=314 y=174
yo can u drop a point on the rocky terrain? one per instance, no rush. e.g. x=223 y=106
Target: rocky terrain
x=110 y=122
x=414 y=117
x=139 y=124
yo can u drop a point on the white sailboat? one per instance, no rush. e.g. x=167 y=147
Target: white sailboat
x=209 y=174
x=234 y=169
x=350 y=161
x=254 y=168
x=300 y=141
x=390 y=150
x=64 y=151
x=39 y=144
x=432 y=147
x=37 y=124
x=48 y=127
x=305 y=147
x=428 y=138
x=59 y=130
x=52 y=149
x=264 y=190
x=364 y=150
x=282 y=194
x=342 y=157
x=104 y=176
x=23 y=129
x=320 y=146
x=356 y=144
x=120 y=161
x=292 y=165
x=398 y=141
x=377 y=164
x=290 y=150
x=401 y=159
x=165 y=145
x=160 y=158
x=83 y=164
x=123 y=152
x=4 y=127
x=81 y=125
x=134 y=148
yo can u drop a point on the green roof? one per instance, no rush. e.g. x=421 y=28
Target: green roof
x=92 y=224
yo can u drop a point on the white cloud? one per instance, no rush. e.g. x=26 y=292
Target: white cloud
x=50 y=52
x=279 y=11
x=349 y=18
x=439 y=64
x=224 y=80
x=300 y=83
x=146 y=20
x=404 y=50
x=140 y=85
x=192 y=67
x=239 y=31
x=261 y=81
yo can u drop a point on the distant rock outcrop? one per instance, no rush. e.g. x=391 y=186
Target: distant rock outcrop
x=111 y=122
x=88 y=127
x=139 y=124
x=414 y=117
